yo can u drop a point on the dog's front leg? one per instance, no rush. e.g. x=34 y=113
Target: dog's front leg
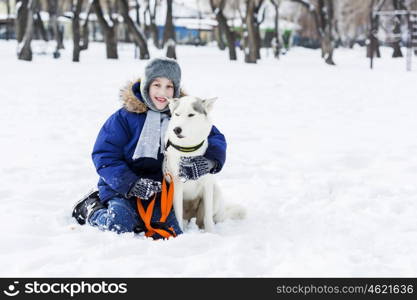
x=208 y=206
x=178 y=202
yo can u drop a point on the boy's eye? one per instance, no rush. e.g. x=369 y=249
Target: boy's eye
x=191 y=115
x=170 y=87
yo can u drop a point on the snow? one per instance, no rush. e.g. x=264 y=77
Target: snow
x=323 y=158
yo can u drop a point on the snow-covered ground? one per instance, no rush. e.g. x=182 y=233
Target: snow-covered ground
x=324 y=158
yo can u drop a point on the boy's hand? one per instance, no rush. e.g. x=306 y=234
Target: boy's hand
x=192 y=168
x=145 y=188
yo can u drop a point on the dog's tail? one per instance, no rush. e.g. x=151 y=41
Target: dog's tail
x=231 y=211
x=235 y=211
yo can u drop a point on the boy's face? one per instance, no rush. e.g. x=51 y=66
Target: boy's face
x=160 y=88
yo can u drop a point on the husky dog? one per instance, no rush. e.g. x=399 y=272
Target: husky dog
x=190 y=125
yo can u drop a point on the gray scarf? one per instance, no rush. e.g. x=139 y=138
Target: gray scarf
x=152 y=136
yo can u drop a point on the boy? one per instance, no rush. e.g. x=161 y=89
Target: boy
x=128 y=153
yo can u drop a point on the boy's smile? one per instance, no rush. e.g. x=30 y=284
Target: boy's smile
x=161 y=100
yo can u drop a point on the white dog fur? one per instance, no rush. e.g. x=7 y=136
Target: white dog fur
x=199 y=198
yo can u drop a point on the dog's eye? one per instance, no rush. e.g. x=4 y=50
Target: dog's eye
x=191 y=115
x=177 y=115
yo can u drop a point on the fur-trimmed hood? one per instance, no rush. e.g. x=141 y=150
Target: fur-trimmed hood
x=131 y=97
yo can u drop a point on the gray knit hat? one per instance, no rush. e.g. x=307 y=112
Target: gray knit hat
x=160 y=67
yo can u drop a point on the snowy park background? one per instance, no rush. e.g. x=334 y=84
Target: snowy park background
x=323 y=158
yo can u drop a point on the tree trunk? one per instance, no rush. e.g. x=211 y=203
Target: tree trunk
x=53 y=26
x=154 y=33
x=85 y=36
x=80 y=32
x=276 y=46
x=8 y=33
x=230 y=37
x=257 y=28
x=397 y=30
x=169 y=33
x=250 y=50
x=169 y=25
x=53 y=22
x=373 y=46
x=137 y=12
x=152 y=26
x=258 y=41
x=145 y=27
x=219 y=38
x=21 y=19
x=24 y=51
x=137 y=9
x=135 y=31
x=223 y=27
x=39 y=26
x=170 y=49
x=108 y=30
x=329 y=32
x=76 y=33
x=325 y=8
x=323 y=16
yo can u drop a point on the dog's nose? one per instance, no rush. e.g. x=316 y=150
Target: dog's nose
x=177 y=130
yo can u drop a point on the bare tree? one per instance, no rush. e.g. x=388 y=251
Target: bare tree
x=108 y=28
x=76 y=32
x=85 y=32
x=323 y=14
x=219 y=38
x=57 y=33
x=22 y=14
x=223 y=27
x=276 y=44
x=145 y=27
x=257 y=24
x=169 y=33
x=80 y=32
x=373 y=43
x=39 y=26
x=413 y=23
x=197 y=41
x=250 y=43
x=8 y=21
x=152 y=23
x=398 y=5
x=137 y=12
x=25 y=28
x=243 y=31
x=326 y=10
x=138 y=36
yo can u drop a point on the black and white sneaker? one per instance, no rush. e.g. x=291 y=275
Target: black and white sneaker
x=86 y=206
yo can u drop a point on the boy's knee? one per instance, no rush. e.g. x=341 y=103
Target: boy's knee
x=120 y=217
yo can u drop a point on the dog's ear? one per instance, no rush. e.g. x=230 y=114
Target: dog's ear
x=208 y=103
x=173 y=103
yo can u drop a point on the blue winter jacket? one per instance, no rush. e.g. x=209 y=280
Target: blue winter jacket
x=116 y=142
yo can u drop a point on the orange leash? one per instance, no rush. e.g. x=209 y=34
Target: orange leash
x=167 y=197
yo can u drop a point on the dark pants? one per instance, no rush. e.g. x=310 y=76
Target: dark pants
x=121 y=216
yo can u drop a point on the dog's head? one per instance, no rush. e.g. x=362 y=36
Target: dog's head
x=190 y=122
